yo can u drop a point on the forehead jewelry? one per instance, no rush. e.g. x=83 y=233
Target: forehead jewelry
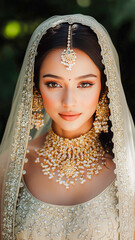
x=68 y=56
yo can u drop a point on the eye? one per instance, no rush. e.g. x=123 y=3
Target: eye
x=52 y=85
x=85 y=85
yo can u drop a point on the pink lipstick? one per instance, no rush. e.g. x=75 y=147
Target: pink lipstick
x=70 y=116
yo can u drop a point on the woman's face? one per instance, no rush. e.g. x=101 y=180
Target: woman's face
x=70 y=97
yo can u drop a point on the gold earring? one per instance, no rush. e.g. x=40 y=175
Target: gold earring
x=37 y=117
x=102 y=115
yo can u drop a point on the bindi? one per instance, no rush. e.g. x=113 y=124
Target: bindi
x=69 y=79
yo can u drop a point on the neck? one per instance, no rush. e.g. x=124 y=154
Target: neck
x=72 y=133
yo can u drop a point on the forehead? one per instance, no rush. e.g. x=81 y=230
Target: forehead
x=83 y=65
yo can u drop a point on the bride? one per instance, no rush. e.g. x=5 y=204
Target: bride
x=67 y=156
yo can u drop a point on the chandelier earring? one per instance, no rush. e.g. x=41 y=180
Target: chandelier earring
x=37 y=116
x=102 y=115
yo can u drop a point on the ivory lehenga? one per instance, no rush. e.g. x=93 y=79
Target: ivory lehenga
x=16 y=137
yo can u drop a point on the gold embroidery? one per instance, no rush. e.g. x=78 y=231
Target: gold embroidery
x=21 y=134
x=95 y=219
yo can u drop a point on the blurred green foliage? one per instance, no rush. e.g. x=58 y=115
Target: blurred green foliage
x=18 y=19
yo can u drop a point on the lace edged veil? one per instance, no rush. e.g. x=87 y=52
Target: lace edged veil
x=16 y=136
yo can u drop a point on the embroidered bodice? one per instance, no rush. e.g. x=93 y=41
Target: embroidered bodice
x=95 y=219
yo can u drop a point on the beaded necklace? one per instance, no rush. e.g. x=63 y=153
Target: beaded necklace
x=71 y=158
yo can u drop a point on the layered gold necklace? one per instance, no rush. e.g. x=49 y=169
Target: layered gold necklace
x=72 y=159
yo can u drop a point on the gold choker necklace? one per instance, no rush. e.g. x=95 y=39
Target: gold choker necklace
x=71 y=158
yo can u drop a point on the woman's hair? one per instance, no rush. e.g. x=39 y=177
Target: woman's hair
x=83 y=38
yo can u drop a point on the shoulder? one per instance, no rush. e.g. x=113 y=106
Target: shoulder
x=109 y=161
x=34 y=145
x=108 y=156
x=37 y=142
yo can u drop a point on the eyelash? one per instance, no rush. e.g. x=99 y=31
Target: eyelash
x=87 y=83
x=50 y=84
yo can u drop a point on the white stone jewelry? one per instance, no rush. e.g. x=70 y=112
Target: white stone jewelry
x=71 y=158
x=68 y=56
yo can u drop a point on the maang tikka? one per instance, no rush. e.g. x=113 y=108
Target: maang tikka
x=102 y=114
x=37 y=119
x=68 y=56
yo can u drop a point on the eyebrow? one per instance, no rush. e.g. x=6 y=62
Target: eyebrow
x=58 y=77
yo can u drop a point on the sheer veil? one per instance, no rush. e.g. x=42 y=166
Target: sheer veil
x=16 y=137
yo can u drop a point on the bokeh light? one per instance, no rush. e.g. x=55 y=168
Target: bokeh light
x=12 y=29
x=84 y=3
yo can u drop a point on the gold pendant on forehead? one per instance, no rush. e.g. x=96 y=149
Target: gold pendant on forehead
x=68 y=56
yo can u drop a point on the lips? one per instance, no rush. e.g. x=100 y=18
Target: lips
x=70 y=116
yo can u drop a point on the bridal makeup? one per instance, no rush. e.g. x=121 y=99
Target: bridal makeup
x=70 y=97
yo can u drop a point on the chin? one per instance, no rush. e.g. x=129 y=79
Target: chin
x=71 y=126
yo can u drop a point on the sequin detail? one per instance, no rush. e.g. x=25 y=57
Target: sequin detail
x=20 y=139
x=95 y=219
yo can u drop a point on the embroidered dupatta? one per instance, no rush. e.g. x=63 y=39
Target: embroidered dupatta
x=16 y=137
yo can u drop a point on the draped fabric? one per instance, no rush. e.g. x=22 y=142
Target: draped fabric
x=17 y=133
x=95 y=219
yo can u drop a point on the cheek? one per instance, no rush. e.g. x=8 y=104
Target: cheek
x=90 y=100
x=50 y=100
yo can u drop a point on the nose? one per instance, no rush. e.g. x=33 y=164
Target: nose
x=69 y=98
